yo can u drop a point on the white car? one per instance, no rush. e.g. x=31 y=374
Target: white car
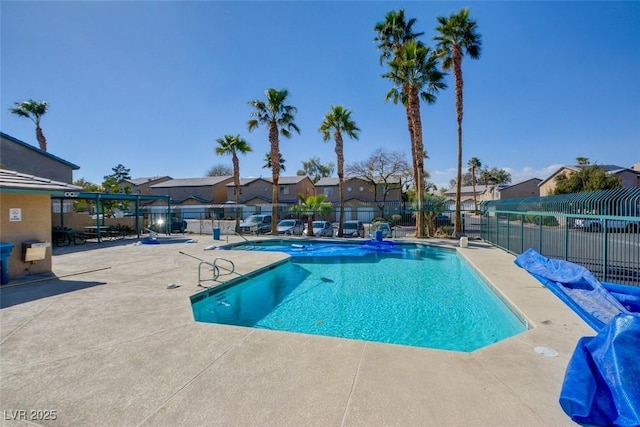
x=320 y=229
x=291 y=227
x=595 y=224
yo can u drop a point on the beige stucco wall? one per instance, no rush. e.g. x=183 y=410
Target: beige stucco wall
x=524 y=189
x=256 y=190
x=35 y=224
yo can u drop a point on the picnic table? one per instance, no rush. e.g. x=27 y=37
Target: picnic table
x=104 y=231
x=96 y=232
x=65 y=236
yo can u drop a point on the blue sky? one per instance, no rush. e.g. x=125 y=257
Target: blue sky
x=152 y=85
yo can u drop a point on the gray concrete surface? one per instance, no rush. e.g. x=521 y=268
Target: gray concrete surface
x=105 y=343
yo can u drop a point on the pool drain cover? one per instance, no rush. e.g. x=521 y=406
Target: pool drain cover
x=545 y=351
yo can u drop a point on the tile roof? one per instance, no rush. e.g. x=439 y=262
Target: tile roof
x=12 y=180
x=144 y=179
x=192 y=182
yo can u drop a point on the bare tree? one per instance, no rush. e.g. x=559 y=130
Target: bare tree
x=220 y=170
x=383 y=170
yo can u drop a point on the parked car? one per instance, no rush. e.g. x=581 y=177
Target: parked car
x=291 y=227
x=256 y=224
x=320 y=229
x=595 y=224
x=178 y=226
x=353 y=228
x=384 y=227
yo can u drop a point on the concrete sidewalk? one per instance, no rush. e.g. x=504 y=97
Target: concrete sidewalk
x=106 y=343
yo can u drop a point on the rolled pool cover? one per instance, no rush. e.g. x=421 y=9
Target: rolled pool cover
x=578 y=288
x=601 y=386
x=602 y=382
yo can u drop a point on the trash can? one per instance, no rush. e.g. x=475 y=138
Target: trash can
x=378 y=235
x=216 y=234
x=5 y=253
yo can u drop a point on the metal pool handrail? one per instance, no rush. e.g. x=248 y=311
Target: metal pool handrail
x=214 y=266
x=236 y=233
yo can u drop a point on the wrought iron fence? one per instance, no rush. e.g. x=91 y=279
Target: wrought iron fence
x=598 y=230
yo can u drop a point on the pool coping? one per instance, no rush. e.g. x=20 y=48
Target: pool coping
x=114 y=345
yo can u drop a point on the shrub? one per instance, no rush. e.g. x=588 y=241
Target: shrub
x=379 y=219
x=546 y=220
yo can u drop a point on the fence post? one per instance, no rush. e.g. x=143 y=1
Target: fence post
x=605 y=248
x=566 y=238
x=521 y=233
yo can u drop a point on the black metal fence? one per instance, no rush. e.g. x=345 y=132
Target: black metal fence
x=598 y=230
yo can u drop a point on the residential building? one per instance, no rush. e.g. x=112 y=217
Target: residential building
x=256 y=191
x=362 y=200
x=358 y=190
x=143 y=184
x=207 y=190
x=528 y=188
x=19 y=156
x=25 y=210
x=630 y=177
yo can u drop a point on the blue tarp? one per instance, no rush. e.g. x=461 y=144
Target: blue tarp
x=602 y=382
x=575 y=286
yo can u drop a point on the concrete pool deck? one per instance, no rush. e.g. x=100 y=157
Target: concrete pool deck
x=107 y=343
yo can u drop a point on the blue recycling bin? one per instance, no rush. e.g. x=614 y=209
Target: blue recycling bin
x=216 y=234
x=378 y=235
x=5 y=253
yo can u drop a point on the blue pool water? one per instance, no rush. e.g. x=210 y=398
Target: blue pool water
x=400 y=294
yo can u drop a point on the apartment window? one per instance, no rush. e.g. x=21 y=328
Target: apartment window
x=328 y=192
x=284 y=189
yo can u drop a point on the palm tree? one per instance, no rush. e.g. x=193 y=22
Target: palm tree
x=474 y=165
x=233 y=144
x=583 y=161
x=338 y=120
x=393 y=36
x=34 y=111
x=278 y=117
x=268 y=164
x=310 y=206
x=393 y=33
x=457 y=36
x=414 y=72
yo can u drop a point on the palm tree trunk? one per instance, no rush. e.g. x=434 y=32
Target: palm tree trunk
x=414 y=106
x=275 y=174
x=415 y=163
x=42 y=141
x=310 y=225
x=236 y=183
x=457 y=72
x=473 y=180
x=340 y=158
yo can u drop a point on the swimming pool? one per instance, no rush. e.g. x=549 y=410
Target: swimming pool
x=399 y=294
